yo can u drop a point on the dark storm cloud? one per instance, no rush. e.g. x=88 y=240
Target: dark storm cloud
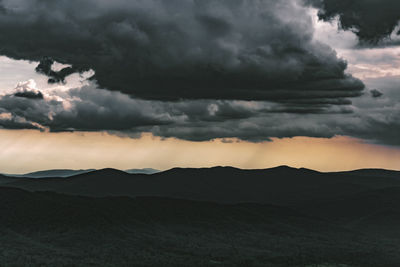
x=84 y=109
x=377 y=119
x=29 y=94
x=180 y=49
x=92 y=109
x=14 y=124
x=254 y=129
x=10 y=121
x=371 y=20
x=187 y=69
x=376 y=93
x=31 y=110
x=45 y=67
x=383 y=127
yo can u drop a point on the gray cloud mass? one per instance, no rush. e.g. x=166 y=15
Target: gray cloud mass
x=195 y=69
x=180 y=49
x=91 y=109
x=371 y=20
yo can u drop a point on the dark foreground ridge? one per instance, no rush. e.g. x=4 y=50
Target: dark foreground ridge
x=281 y=185
x=202 y=217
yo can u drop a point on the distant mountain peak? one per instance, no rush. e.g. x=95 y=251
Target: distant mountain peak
x=284 y=167
x=63 y=173
x=108 y=171
x=142 y=171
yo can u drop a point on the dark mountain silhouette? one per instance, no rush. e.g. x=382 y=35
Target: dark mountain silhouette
x=280 y=185
x=62 y=173
x=51 y=229
x=373 y=173
x=142 y=171
x=220 y=216
x=6 y=179
x=358 y=209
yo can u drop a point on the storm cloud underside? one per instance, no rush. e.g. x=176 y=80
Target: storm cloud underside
x=186 y=49
x=372 y=20
x=194 y=70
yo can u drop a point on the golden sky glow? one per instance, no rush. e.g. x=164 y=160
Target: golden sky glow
x=25 y=150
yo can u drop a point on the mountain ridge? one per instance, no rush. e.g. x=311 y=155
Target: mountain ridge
x=201 y=217
x=52 y=173
x=279 y=185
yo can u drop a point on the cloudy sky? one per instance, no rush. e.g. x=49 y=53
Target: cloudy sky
x=164 y=83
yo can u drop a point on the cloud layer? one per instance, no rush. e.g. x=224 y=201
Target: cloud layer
x=91 y=109
x=371 y=20
x=181 y=49
x=196 y=70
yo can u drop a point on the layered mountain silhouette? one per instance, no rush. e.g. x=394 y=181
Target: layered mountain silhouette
x=142 y=171
x=280 y=185
x=63 y=173
x=219 y=216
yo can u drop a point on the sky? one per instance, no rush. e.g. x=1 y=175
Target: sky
x=157 y=83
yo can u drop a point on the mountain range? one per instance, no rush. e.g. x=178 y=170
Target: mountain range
x=63 y=173
x=220 y=216
x=281 y=185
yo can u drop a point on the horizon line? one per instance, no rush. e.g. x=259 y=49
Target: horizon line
x=88 y=170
